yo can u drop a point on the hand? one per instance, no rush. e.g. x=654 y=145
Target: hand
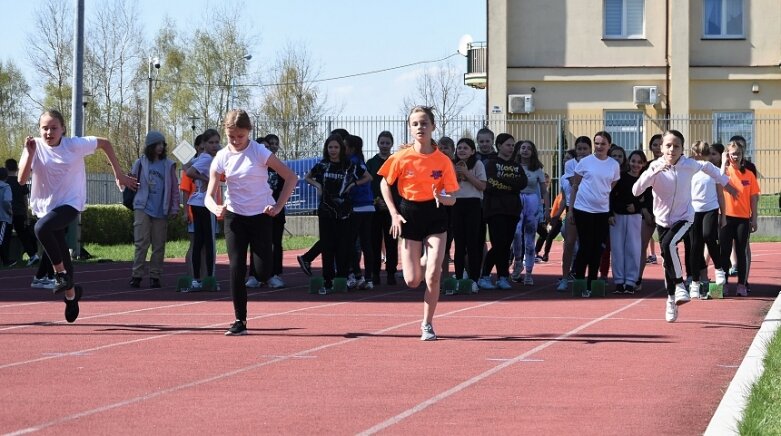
x=630 y=208
x=725 y=157
x=30 y=144
x=219 y=211
x=396 y=221
x=611 y=220
x=661 y=166
x=128 y=182
x=731 y=190
x=272 y=210
x=722 y=221
x=754 y=226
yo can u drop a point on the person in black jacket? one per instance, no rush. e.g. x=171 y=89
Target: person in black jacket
x=501 y=210
x=19 y=195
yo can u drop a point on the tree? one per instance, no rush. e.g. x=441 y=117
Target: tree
x=14 y=121
x=292 y=104
x=442 y=88
x=50 y=53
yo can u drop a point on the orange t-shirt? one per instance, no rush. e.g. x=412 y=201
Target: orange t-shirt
x=747 y=186
x=417 y=174
x=556 y=204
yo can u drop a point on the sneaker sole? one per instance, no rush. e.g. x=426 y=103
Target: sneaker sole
x=241 y=333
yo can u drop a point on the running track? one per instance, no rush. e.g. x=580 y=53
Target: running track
x=526 y=361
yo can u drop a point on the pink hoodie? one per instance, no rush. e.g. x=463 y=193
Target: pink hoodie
x=672 y=188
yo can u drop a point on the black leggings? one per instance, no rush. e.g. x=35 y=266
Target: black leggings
x=554 y=231
x=704 y=231
x=51 y=229
x=381 y=223
x=203 y=239
x=501 y=231
x=361 y=228
x=335 y=243
x=242 y=232
x=467 y=216
x=542 y=236
x=669 y=237
x=737 y=230
x=593 y=231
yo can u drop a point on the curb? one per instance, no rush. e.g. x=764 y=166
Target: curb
x=730 y=410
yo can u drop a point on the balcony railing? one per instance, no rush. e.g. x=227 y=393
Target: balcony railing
x=476 y=65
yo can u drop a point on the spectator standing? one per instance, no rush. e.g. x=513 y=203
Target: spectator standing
x=19 y=206
x=381 y=223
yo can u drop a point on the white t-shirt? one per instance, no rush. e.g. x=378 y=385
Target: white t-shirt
x=58 y=174
x=594 y=189
x=202 y=164
x=246 y=177
x=704 y=194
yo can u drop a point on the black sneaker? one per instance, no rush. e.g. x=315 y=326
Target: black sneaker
x=155 y=283
x=305 y=266
x=238 y=328
x=72 y=306
x=629 y=289
x=62 y=282
x=135 y=282
x=620 y=289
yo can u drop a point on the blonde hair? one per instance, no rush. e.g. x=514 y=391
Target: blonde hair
x=699 y=149
x=237 y=118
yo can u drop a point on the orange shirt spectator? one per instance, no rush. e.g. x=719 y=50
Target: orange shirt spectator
x=747 y=186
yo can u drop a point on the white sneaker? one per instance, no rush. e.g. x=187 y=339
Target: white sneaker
x=464 y=276
x=427 y=333
x=360 y=283
x=517 y=274
x=485 y=283
x=366 y=285
x=721 y=277
x=681 y=294
x=503 y=283
x=351 y=282
x=563 y=285
x=694 y=290
x=196 y=285
x=671 y=309
x=528 y=281
x=252 y=282
x=33 y=260
x=42 y=283
x=276 y=282
x=475 y=288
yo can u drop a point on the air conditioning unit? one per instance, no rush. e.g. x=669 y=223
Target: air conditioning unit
x=645 y=95
x=520 y=104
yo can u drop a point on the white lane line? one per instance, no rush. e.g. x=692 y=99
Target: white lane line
x=295 y=355
x=467 y=383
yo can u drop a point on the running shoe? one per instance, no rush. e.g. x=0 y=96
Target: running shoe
x=517 y=274
x=721 y=277
x=275 y=282
x=252 y=282
x=681 y=294
x=503 y=283
x=42 y=283
x=239 y=328
x=671 y=309
x=694 y=290
x=33 y=260
x=619 y=289
x=427 y=332
x=305 y=266
x=528 y=280
x=563 y=285
x=72 y=306
x=485 y=283
x=367 y=285
x=62 y=282
x=741 y=290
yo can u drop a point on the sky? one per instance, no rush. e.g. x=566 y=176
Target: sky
x=342 y=37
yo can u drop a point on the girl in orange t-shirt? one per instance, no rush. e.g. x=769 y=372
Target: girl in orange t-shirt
x=426 y=179
x=740 y=212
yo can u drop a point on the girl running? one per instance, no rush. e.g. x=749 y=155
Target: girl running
x=426 y=179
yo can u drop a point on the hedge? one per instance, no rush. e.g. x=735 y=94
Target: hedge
x=113 y=224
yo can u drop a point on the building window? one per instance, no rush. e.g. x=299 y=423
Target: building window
x=624 y=19
x=722 y=19
x=728 y=124
x=626 y=129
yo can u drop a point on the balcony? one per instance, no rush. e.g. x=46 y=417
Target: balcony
x=476 y=65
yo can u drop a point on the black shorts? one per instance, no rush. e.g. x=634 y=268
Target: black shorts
x=423 y=219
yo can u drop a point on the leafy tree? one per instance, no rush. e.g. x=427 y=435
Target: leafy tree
x=15 y=123
x=51 y=55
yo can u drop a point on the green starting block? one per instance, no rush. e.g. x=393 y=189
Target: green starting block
x=597 y=288
x=184 y=283
x=449 y=286
x=465 y=286
x=715 y=291
x=209 y=284
x=315 y=284
x=580 y=288
x=340 y=284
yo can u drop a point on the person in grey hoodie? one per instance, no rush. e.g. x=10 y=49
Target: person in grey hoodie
x=6 y=218
x=156 y=201
x=670 y=178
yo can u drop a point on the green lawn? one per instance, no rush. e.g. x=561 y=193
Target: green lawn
x=124 y=252
x=763 y=411
x=768 y=205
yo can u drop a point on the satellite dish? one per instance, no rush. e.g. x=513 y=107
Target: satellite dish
x=463 y=44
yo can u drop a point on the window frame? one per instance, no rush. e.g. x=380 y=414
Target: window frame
x=637 y=128
x=737 y=117
x=624 y=35
x=723 y=18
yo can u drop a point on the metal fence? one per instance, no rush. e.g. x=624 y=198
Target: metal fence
x=551 y=134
